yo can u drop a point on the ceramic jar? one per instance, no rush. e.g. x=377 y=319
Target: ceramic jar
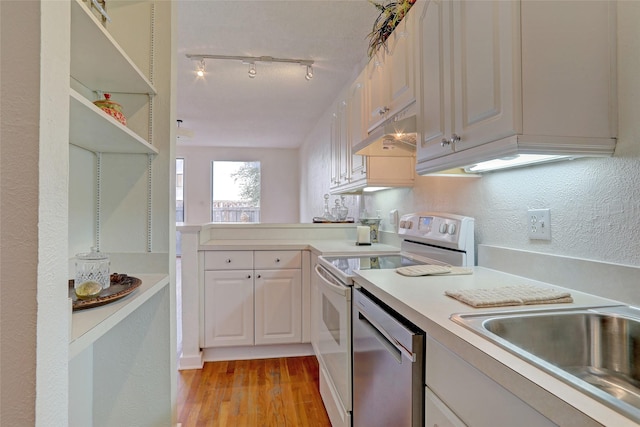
x=111 y=108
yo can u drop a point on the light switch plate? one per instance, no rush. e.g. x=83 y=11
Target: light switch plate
x=539 y=224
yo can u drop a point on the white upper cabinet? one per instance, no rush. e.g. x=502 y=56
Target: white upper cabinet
x=389 y=74
x=502 y=77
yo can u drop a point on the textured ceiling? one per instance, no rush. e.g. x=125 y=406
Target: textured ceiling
x=279 y=107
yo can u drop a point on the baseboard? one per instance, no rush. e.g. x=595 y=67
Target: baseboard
x=190 y=362
x=257 y=352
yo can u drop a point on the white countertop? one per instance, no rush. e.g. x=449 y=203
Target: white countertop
x=422 y=301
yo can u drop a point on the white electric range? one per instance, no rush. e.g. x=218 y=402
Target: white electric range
x=427 y=238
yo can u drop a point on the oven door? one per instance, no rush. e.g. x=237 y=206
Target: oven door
x=334 y=345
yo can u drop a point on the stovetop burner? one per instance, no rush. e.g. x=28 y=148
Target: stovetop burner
x=347 y=264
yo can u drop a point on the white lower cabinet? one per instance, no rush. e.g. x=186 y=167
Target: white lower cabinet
x=252 y=298
x=461 y=395
x=228 y=302
x=437 y=414
x=278 y=308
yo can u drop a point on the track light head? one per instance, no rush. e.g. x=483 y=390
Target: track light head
x=252 y=70
x=200 y=68
x=309 y=74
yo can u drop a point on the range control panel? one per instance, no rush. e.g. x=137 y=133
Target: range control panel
x=448 y=230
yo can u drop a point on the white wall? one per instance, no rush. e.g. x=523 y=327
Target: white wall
x=595 y=203
x=34 y=328
x=280 y=182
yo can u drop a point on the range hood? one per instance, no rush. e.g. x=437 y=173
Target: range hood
x=393 y=138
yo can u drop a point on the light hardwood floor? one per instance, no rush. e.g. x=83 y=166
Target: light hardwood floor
x=266 y=392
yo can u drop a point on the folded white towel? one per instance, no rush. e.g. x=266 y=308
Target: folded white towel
x=510 y=295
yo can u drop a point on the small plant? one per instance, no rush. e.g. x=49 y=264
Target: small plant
x=391 y=14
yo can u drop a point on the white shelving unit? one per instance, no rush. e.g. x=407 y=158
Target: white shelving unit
x=122 y=354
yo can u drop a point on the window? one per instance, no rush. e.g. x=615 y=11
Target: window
x=235 y=188
x=179 y=190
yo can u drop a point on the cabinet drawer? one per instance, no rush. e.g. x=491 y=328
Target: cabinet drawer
x=276 y=260
x=228 y=260
x=472 y=396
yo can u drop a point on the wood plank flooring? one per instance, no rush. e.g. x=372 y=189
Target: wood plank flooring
x=266 y=392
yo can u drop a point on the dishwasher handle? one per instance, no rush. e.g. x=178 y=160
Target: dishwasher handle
x=394 y=342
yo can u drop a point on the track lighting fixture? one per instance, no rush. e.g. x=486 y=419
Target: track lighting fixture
x=251 y=60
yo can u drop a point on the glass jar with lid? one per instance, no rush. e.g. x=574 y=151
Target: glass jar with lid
x=92 y=273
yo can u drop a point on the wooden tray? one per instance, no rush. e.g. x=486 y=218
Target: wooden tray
x=121 y=286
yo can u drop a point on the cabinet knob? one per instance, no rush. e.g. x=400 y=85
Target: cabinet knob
x=384 y=110
x=277 y=259
x=445 y=142
x=228 y=261
x=258 y=276
x=455 y=138
x=248 y=276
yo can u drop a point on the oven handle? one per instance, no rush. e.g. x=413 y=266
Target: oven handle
x=394 y=342
x=334 y=287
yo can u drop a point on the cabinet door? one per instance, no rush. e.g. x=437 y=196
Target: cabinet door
x=400 y=65
x=344 y=148
x=357 y=126
x=335 y=151
x=228 y=308
x=435 y=87
x=486 y=71
x=278 y=299
x=376 y=88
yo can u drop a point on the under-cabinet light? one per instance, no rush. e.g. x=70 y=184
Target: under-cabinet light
x=372 y=189
x=513 y=161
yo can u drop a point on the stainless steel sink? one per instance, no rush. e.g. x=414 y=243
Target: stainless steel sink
x=596 y=350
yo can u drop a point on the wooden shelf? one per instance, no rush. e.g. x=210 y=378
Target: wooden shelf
x=98 y=61
x=93 y=129
x=88 y=325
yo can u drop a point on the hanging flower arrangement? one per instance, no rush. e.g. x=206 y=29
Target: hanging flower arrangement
x=391 y=14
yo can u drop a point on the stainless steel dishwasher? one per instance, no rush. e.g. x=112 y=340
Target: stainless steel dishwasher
x=388 y=366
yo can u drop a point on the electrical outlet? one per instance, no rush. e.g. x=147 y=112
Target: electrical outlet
x=539 y=224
